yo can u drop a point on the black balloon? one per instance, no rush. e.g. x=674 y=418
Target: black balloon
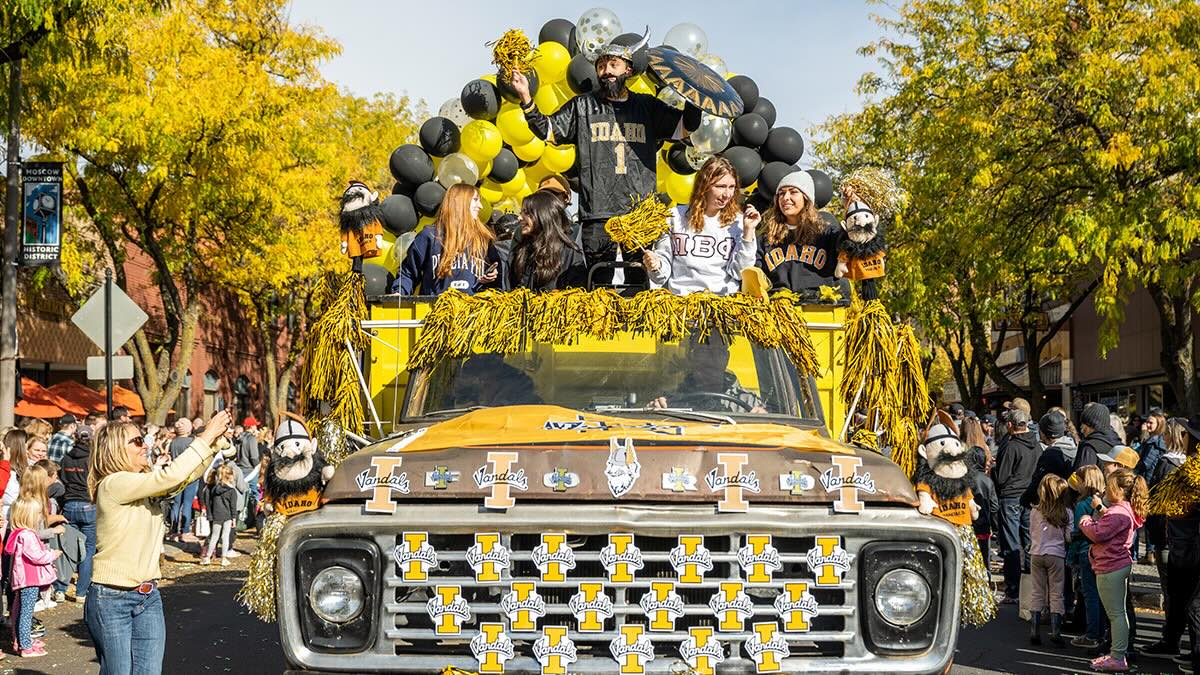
x=581 y=75
x=750 y=130
x=641 y=58
x=692 y=117
x=429 y=197
x=677 y=160
x=766 y=109
x=439 y=136
x=747 y=89
x=831 y=221
x=399 y=215
x=480 y=99
x=771 y=174
x=504 y=166
x=556 y=30
x=822 y=188
x=573 y=42
x=410 y=164
x=746 y=162
x=510 y=94
x=376 y=280
x=784 y=144
x=403 y=187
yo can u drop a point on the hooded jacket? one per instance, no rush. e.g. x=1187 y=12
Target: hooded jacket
x=1099 y=442
x=1056 y=458
x=1111 y=535
x=985 y=494
x=74 y=475
x=32 y=560
x=1016 y=462
x=1149 y=453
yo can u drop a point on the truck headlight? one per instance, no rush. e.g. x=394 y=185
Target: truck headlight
x=336 y=594
x=902 y=597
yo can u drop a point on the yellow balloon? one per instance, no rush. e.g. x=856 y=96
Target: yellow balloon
x=485 y=168
x=526 y=190
x=679 y=186
x=491 y=191
x=485 y=213
x=490 y=77
x=508 y=205
x=513 y=126
x=547 y=101
x=563 y=91
x=550 y=61
x=558 y=158
x=531 y=151
x=422 y=222
x=534 y=174
x=481 y=141
x=513 y=186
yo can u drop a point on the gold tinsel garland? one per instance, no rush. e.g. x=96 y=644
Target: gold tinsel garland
x=258 y=591
x=330 y=369
x=977 y=604
x=912 y=392
x=1178 y=493
x=513 y=51
x=877 y=188
x=495 y=322
x=642 y=226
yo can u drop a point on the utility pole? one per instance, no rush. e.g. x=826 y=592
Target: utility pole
x=8 y=268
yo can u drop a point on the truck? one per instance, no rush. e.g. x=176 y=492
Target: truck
x=615 y=504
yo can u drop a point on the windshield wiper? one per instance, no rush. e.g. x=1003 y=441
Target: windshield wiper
x=454 y=411
x=677 y=413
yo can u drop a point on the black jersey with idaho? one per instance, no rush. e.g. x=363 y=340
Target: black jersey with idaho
x=615 y=145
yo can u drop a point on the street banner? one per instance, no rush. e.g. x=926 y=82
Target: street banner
x=41 y=231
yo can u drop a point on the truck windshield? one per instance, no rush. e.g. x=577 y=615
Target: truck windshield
x=623 y=374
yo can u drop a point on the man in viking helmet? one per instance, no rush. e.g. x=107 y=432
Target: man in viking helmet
x=616 y=133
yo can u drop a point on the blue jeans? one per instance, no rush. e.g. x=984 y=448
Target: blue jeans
x=127 y=629
x=1014 y=542
x=1091 y=600
x=181 y=508
x=251 y=514
x=82 y=515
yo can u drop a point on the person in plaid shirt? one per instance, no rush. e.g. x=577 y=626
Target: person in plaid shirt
x=63 y=440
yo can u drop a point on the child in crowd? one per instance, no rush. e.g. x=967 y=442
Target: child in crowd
x=32 y=570
x=1111 y=535
x=222 y=510
x=1087 y=482
x=710 y=240
x=1049 y=524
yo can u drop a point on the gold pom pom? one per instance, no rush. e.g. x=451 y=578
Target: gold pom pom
x=1177 y=494
x=877 y=188
x=512 y=51
x=977 y=603
x=642 y=226
x=331 y=373
x=258 y=591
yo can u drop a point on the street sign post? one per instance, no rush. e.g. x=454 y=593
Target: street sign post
x=109 y=318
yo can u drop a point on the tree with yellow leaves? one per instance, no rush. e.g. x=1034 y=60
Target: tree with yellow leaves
x=1050 y=148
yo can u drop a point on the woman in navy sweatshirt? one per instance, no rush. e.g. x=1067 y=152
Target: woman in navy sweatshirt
x=455 y=251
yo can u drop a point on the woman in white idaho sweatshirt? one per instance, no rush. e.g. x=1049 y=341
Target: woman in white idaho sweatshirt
x=709 y=242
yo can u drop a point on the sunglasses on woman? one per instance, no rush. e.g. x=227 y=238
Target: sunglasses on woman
x=138 y=441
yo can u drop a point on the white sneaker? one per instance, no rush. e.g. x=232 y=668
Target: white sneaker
x=225 y=562
x=232 y=553
x=41 y=605
x=50 y=604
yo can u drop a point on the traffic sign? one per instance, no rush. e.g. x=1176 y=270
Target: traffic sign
x=122 y=367
x=127 y=317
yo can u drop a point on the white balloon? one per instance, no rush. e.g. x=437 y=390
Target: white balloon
x=457 y=168
x=689 y=39
x=452 y=110
x=672 y=98
x=713 y=134
x=594 y=29
x=716 y=63
x=696 y=158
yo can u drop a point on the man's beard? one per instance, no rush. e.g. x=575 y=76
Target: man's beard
x=612 y=88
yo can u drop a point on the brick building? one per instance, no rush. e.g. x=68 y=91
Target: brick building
x=226 y=368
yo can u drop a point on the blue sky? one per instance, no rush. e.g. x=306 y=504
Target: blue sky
x=801 y=53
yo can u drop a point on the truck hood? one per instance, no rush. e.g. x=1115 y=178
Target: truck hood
x=563 y=454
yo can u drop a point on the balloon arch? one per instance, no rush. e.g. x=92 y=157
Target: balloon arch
x=480 y=136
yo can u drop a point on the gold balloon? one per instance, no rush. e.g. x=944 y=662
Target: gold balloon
x=531 y=151
x=558 y=158
x=491 y=191
x=508 y=205
x=514 y=186
x=679 y=186
x=481 y=141
x=513 y=127
x=550 y=62
x=547 y=100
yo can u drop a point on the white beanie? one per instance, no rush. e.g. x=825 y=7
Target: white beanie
x=800 y=180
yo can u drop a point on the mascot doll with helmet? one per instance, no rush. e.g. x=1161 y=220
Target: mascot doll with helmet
x=297 y=472
x=362 y=224
x=944 y=490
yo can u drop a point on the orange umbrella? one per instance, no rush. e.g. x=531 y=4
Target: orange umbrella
x=43 y=411
x=129 y=399
x=79 y=394
x=38 y=399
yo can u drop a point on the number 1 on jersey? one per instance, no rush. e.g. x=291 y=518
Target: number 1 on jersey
x=620 y=150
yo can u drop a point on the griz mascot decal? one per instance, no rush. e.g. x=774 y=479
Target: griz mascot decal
x=944 y=490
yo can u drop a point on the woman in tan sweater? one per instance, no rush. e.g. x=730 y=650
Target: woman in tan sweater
x=123 y=610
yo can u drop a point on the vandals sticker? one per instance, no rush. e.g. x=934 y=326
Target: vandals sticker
x=843 y=477
x=560 y=479
x=523 y=606
x=632 y=649
x=415 y=557
x=828 y=561
x=759 y=558
x=767 y=647
x=448 y=610
x=488 y=557
x=381 y=480
x=678 y=479
x=554 y=651
x=590 y=607
x=796 y=606
x=491 y=648
x=732 y=482
x=701 y=650
x=622 y=468
x=553 y=557
x=621 y=558
x=500 y=480
x=662 y=605
x=731 y=606
x=690 y=559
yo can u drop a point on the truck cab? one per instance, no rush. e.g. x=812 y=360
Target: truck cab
x=616 y=504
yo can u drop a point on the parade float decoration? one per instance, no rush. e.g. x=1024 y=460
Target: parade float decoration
x=944 y=489
x=362 y=224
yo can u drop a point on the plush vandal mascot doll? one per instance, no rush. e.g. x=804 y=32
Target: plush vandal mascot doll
x=297 y=473
x=944 y=490
x=362 y=224
x=861 y=253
